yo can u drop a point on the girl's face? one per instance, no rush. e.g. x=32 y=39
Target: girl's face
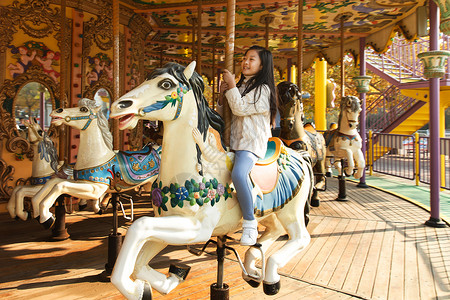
x=251 y=63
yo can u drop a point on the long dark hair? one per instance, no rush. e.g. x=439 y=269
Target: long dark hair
x=264 y=76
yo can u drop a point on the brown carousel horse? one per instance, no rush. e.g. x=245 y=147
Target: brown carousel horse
x=298 y=136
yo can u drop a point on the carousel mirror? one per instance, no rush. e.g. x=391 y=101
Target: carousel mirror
x=103 y=97
x=33 y=101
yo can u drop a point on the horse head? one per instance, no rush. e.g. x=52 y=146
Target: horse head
x=350 y=109
x=161 y=97
x=79 y=117
x=35 y=132
x=290 y=104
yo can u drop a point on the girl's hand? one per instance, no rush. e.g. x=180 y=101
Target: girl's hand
x=229 y=79
x=223 y=87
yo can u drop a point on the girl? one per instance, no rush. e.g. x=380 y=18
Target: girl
x=253 y=103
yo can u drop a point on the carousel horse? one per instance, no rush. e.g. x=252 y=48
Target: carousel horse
x=44 y=166
x=299 y=136
x=344 y=142
x=99 y=170
x=192 y=206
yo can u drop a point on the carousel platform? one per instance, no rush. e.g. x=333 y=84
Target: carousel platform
x=373 y=246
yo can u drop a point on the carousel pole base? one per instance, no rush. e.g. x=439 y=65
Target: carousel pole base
x=342 y=195
x=114 y=245
x=219 y=293
x=362 y=185
x=315 y=201
x=435 y=222
x=59 y=230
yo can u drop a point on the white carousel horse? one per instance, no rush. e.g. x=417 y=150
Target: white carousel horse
x=190 y=207
x=298 y=136
x=344 y=142
x=44 y=166
x=99 y=170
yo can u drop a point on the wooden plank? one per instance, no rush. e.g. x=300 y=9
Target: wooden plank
x=411 y=265
x=354 y=273
x=397 y=276
x=426 y=284
x=338 y=278
x=367 y=278
x=381 y=284
x=325 y=250
x=330 y=265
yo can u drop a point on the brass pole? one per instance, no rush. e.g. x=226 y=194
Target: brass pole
x=193 y=39
x=229 y=64
x=214 y=75
x=342 y=59
x=62 y=85
x=267 y=32
x=199 y=37
x=116 y=72
x=300 y=45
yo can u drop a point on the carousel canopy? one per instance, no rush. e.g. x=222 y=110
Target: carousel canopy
x=172 y=26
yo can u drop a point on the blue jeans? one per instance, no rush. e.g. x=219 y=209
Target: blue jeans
x=243 y=164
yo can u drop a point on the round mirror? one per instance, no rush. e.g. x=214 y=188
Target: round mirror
x=33 y=101
x=103 y=98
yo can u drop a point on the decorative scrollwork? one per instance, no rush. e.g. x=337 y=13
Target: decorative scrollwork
x=34 y=17
x=99 y=30
x=6 y=173
x=8 y=130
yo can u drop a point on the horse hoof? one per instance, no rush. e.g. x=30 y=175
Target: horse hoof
x=328 y=174
x=49 y=223
x=147 y=294
x=271 y=289
x=253 y=283
x=38 y=218
x=82 y=206
x=100 y=212
x=180 y=272
x=315 y=202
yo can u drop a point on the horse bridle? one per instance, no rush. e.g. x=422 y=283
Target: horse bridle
x=161 y=104
x=89 y=118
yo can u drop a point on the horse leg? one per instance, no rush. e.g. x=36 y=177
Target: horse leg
x=37 y=199
x=145 y=238
x=11 y=206
x=292 y=219
x=272 y=232
x=26 y=191
x=360 y=163
x=80 y=190
x=350 y=162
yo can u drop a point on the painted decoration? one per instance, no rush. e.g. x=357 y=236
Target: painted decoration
x=33 y=53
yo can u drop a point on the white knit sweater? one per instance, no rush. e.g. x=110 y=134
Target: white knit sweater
x=250 y=123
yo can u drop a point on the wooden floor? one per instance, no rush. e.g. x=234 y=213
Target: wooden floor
x=373 y=246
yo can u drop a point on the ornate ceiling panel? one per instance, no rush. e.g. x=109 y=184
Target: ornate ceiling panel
x=172 y=21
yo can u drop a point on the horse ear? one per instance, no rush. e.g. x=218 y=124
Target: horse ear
x=349 y=101
x=189 y=70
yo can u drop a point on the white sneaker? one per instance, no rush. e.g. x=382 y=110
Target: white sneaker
x=249 y=232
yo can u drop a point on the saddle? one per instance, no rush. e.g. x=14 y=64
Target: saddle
x=279 y=176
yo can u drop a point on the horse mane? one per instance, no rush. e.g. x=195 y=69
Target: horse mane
x=102 y=122
x=355 y=105
x=48 y=152
x=206 y=115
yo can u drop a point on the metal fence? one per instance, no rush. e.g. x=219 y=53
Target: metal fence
x=394 y=154
x=407 y=156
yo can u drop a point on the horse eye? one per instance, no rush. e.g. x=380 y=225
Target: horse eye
x=83 y=109
x=40 y=132
x=166 y=84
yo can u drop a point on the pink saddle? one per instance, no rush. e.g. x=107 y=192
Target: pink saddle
x=265 y=172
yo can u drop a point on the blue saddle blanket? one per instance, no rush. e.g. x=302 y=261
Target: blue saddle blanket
x=289 y=182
